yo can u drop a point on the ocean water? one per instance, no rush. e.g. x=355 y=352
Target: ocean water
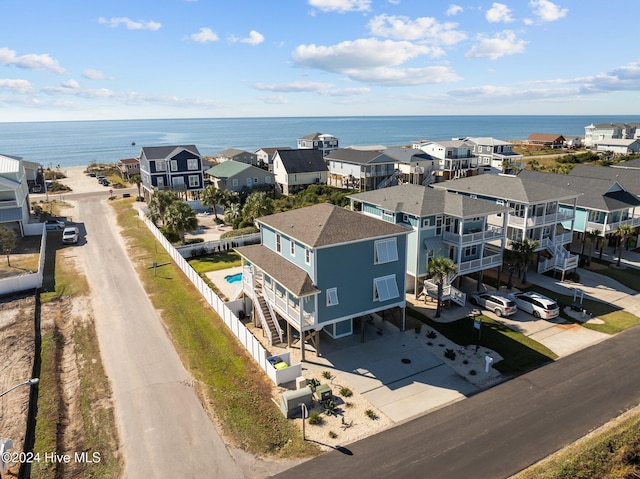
x=80 y=143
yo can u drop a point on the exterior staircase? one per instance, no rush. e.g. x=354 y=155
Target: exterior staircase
x=561 y=259
x=389 y=180
x=449 y=292
x=268 y=317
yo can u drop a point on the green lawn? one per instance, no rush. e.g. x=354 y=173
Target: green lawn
x=625 y=276
x=615 y=319
x=215 y=262
x=520 y=353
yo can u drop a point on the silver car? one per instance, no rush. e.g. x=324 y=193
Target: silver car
x=537 y=304
x=497 y=303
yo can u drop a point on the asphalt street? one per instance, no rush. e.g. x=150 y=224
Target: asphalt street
x=503 y=430
x=164 y=430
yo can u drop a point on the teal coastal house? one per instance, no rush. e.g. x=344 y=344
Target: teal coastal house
x=321 y=268
x=603 y=206
x=442 y=224
x=538 y=211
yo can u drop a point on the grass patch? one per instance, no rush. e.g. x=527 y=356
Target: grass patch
x=520 y=353
x=625 y=276
x=230 y=382
x=612 y=453
x=48 y=407
x=615 y=319
x=215 y=261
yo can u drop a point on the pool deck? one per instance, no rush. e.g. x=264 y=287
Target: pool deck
x=217 y=278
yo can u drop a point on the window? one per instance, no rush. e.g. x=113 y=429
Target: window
x=386 y=251
x=160 y=181
x=405 y=218
x=249 y=182
x=332 y=296
x=174 y=165
x=267 y=179
x=278 y=244
x=194 y=181
x=385 y=288
x=234 y=182
x=255 y=180
x=470 y=251
x=292 y=248
x=307 y=256
x=192 y=164
x=426 y=222
x=161 y=165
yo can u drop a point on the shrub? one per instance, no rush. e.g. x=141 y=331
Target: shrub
x=345 y=392
x=332 y=435
x=432 y=334
x=370 y=413
x=450 y=354
x=326 y=374
x=472 y=372
x=314 y=383
x=330 y=408
x=315 y=418
x=572 y=276
x=239 y=232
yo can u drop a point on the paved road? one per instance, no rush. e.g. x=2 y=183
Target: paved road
x=503 y=430
x=164 y=430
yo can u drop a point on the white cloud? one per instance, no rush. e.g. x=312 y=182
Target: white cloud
x=341 y=6
x=356 y=55
x=423 y=28
x=30 y=61
x=499 y=12
x=454 y=10
x=547 y=11
x=92 y=74
x=254 y=38
x=205 y=35
x=130 y=24
x=328 y=89
x=501 y=44
x=71 y=84
x=405 y=76
x=16 y=86
x=274 y=100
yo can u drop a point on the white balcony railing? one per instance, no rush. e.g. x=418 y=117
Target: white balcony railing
x=491 y=233
x=542 y=220
x=489 y=261
x=611 y=227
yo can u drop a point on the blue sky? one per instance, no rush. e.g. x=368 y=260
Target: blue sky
x=116 y=59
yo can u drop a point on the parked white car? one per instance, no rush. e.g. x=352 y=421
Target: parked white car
x=497 y=303
x=537 y=304
x=70 y=235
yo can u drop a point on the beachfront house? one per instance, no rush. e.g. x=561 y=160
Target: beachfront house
x=456 y=158
x=323 y=268
x=535 y=213
x=319 y=141
x=14 y=194
x=294 y=170
x=602 y=132
x=265 y=156
x=240 y=177
x=127 y=167
x=359 y=169
x=619 y=146
x=412 y=166
x=602 y=206
x=241 y=156
x=441 y=224
x=496 y=156
x=177 y=168
x=539 y=141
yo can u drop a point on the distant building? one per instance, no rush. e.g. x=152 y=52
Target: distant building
x=294 y=170
x=14 y=194
x=240 y=177
x=595 y=134
x=362 y=170
x=128 y=167
x=237 y=155
x=456 y=158
x=544 y=140
x=265 y=156
x=318 y=141
x=496 y=156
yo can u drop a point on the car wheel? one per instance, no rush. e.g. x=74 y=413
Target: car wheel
x=474 y=301
x=536 y=314
x=498 y=312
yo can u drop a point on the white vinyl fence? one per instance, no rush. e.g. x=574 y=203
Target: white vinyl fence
x=26 y=282
x=248 y=340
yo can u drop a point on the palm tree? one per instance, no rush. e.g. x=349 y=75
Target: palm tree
x=137 y=179
x=593 y=235
x=232 y=212
x=158 y=205
x=258 y=204
x=440 y=268
x=180 y=218
x=210 y=196
x=623 y=232
x=524 y=250
x=510 y=259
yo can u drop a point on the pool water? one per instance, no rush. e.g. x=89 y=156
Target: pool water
x=233 y=278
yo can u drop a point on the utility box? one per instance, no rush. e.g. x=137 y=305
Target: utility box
x=301 y=382
x=323 y=392
x=291 y=400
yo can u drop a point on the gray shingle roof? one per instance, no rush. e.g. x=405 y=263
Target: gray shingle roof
x=161 y=152
x=286 y=273
x=508 y=187
x=360 y=157
x=408 y=155
x=302 y=161
x=421 y=201
x=595 y=191
x=629 y=179
x=325 y=224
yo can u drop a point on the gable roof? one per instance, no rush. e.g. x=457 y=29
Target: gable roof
x=231 y=152
x=618 y=141
x=360 y=157
x=508 y=187
x=302 y=161
x=129 y=161
x=325 y=224
x=408 y=155
x=315 y=136
x=548 y=137
x=635 y=164
x=227 y=169
x=162 y=152
x=628 y=178
x=421 y=201
x=271 y=150
x=597 y=194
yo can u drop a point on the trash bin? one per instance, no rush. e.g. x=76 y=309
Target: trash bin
x=323 y=392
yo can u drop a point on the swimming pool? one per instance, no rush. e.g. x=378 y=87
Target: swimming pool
x=233 y=278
